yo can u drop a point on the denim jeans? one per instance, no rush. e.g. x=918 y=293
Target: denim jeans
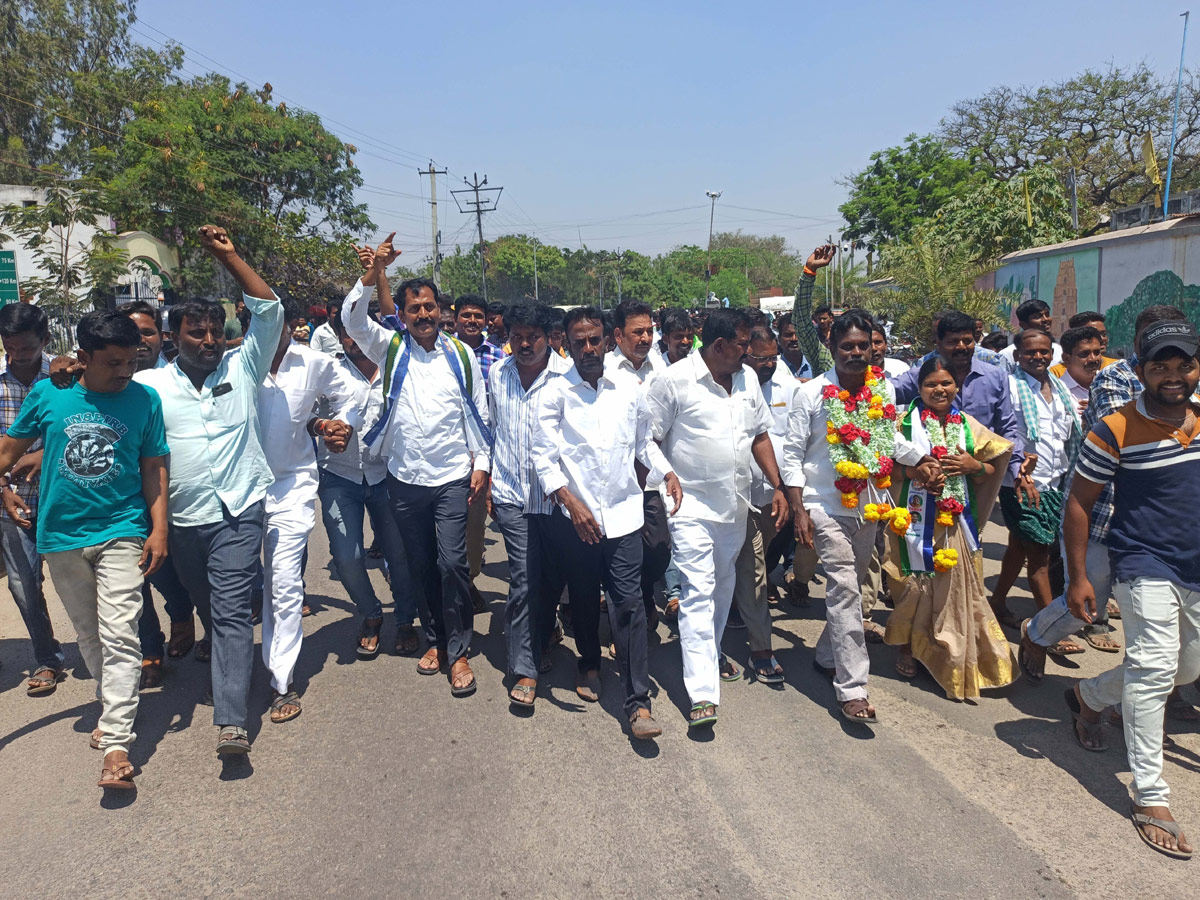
x=178 y=603
x=343 y=506
x=25 y=582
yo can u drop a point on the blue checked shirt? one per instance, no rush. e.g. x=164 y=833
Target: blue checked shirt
x=488 y=355
x=12 y=395
x=1113 y=387
x=514 y=419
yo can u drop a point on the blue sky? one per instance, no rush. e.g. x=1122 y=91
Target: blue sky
x=606 y=123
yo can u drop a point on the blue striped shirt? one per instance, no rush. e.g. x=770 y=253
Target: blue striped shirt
x=514 y=418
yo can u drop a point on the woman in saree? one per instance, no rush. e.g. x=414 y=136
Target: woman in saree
x=942 y=618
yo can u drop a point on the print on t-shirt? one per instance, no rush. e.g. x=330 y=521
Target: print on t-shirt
x=89 y=458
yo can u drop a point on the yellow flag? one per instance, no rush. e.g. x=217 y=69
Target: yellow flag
x=1028 y=205
x=1151 y=162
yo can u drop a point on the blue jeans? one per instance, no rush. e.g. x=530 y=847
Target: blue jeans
x=179 y=609
x=25 y=582
x=674 y=581
x=217 y=561
x=343 y=505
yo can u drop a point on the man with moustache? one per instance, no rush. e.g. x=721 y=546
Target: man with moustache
x=515 y=386
x=709 y=415
x=631 y=359
x=590 y=430
x=750 y=592
x=792 y=356
x=435 y=429
x=219 y=474
x=841 y=536
x=892 y=368
x=470 y=318
x=1095 y=320
x=1083 y=353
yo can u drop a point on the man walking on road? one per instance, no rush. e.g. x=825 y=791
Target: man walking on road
x=590 y=429
x=711 y=419
x=435 y=429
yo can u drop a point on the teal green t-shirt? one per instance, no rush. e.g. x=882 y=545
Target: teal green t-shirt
x=91 y=487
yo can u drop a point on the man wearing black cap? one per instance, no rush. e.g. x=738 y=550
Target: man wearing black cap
x=1146 y=451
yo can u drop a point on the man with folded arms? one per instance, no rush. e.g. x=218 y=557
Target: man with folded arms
x=590 y=429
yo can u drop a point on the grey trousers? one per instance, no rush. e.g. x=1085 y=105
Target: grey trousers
x=218 y=563
x=845 y=546
x=750 y=589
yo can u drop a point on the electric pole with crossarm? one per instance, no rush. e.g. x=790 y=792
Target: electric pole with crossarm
x=433 y=172
x=478 y=205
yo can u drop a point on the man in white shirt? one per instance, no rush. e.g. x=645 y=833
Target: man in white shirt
x=298 y=378
x=750 y=592
x=1033 y=314
x=219 y=474
x=633 y=333
x=843 y=539
x=710 y=417
x=1049 y=420
x=353 y=486
x=324 y=337
x=879 y=348
x=1083 y=353
x=515 y=385
x=590 y=429
x=435 y=432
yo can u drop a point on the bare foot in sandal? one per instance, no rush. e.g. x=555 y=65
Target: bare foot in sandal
x=1160 y=838
x=117 y=771
x=905 y=666
x=523 y=693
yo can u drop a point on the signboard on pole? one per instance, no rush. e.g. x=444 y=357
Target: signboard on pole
x=8 y=278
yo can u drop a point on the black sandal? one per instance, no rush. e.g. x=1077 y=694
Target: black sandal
x=370 y=628
x=44 y=680
x=233 y=742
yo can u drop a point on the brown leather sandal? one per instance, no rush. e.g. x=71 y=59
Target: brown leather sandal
x=460 y=668
x=432 y=662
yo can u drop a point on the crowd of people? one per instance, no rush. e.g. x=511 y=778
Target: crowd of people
x=638 y=465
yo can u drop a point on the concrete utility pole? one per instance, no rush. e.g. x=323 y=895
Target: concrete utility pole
x=478 y=206
x=712 y=195
x=433 y=173
x=535 y=283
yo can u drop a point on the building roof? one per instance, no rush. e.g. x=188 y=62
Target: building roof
x=1181 y=227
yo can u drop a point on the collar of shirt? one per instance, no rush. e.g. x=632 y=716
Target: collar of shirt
x=514 y=417
x=13 y=392
x=358 y=461
x=616 y=362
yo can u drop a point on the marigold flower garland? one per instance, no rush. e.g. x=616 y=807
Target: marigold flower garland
x=954 y=494
x=861 y=431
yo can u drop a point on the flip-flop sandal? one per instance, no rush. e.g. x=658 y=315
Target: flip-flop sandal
x=729 y=670
x=291 y=698
x=369 y=628
x=909 y=671
x=1094 y=731
x=432 y=655
x=852 y=708
x=408 y=642
x=528 y=691
x=94 y=740
x=1023 y=660
x=1102 y=642
x=700 y=717
x=230 y=742
x=110 y=779
x=1065 y=648
x=768 y=670
x=203 y=650
x=183 y=639
x=1114 y=609
x=466 y=690
x=45 y=683
x=1140 y=821
x=672 y=609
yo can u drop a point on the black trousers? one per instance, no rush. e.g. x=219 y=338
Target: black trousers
x=656 y=546
x=614 y=564
x=433 y=525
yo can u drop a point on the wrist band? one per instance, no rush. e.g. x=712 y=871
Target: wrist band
x=810 y=272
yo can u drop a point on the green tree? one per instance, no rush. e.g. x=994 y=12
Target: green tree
x=926 y=276
x=766 y=261
x=208 y=151
x=901 y=187
x=70 y=73
x=81 y=269
x=1093 y=122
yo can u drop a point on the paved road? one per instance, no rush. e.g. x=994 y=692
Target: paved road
x=388 y=787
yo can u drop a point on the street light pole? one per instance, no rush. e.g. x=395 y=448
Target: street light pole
x=712 y=195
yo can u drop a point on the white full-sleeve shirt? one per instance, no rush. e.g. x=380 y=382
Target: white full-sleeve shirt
x=807 y=462
x=777 y=393
x=428 y=439
x=706 y=435
x=287 y=400
x=587 y=438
